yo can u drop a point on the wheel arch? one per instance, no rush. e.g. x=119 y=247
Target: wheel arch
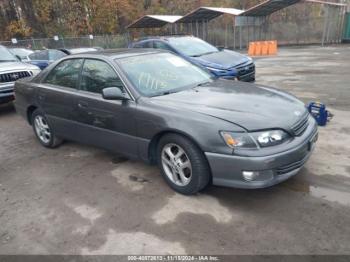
x=152 y=148
x=30 y=111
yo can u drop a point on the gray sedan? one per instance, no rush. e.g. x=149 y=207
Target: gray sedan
x=154 y=106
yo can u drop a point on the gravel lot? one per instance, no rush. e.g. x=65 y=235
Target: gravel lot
x=82 y=200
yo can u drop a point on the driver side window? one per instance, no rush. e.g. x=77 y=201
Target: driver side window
x=97 y=75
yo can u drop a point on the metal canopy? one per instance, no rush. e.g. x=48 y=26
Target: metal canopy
x=208 y=13
x=268 y=7
x=154 y=21
x=326 y=3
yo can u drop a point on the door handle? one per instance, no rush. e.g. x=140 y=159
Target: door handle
x=82 y=104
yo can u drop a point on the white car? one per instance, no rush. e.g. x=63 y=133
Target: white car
x=22 y=53
x=11 y=69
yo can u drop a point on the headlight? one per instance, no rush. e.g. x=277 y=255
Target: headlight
x=270 y=138
x=241 y=140
x=254 y=140
x=35 y=71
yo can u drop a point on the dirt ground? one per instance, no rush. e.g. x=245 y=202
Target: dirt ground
x=82 y=200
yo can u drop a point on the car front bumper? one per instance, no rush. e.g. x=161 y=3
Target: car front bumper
x=250 y=77
x=6 y=92
x=245 y=72
x=273 y=169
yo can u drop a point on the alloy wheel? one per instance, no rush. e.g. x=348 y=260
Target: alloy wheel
x=42 y=129
x=176 y=164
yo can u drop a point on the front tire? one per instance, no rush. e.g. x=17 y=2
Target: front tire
x=183 y=165
x=43 y=131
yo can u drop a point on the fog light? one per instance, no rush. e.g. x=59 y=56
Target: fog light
x=250 y=175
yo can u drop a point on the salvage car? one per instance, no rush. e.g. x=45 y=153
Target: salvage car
x=220 y=62
x=11 y=69
x=155 y=106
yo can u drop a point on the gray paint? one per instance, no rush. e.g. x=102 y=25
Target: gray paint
x=128 y=127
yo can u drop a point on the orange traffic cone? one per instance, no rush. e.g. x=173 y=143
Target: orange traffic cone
x=264 y=48
x=272 y=48
x=258 y=48
x=251 y=50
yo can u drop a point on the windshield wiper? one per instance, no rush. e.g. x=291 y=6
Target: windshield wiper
x=203 y=83
x=165 y=93
x=168 y=93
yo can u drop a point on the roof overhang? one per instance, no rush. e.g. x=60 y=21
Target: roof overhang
x=208 y=13
x=326 y=3
x=268 y=7
x=154 y=21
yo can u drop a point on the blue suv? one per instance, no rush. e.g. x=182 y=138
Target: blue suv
x=222 y=63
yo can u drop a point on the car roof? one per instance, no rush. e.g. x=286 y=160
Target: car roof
x=120 y=53
x=162 y=37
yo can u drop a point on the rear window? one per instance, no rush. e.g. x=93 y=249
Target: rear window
x=148 y=44
x=41 y=55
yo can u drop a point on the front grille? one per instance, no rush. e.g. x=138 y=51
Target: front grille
x=11 y=77
x=290 y=167
x=300 y=127
x=245 y=69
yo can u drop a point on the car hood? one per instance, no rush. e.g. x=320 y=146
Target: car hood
x=247 y=105
x=16 y=66
x=223 y=59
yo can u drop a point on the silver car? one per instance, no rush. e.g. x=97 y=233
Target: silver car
x=11 y=69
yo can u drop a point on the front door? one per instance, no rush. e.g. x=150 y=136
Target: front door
x=105 y=123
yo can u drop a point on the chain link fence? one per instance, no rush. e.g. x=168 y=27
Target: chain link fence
x=325 y=27
x=106 y=41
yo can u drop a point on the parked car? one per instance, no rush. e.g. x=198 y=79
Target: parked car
x=21 y=53
x=73 y=51
x=153 y=105
x=45 y=57
x=11 y=69
x=220 y=62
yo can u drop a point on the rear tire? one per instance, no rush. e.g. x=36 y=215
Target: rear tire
x=182 y=164
x=43 y=131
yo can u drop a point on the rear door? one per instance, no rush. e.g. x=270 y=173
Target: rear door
x=105 y=123
x=57 y=96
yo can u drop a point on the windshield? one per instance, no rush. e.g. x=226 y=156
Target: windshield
x=40 y=55
x=192 y=46
x=22 y=53
x=6 y=55
x=162 y=73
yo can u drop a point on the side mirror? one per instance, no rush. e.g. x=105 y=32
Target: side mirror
x=114 y=93
x=18 y=57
